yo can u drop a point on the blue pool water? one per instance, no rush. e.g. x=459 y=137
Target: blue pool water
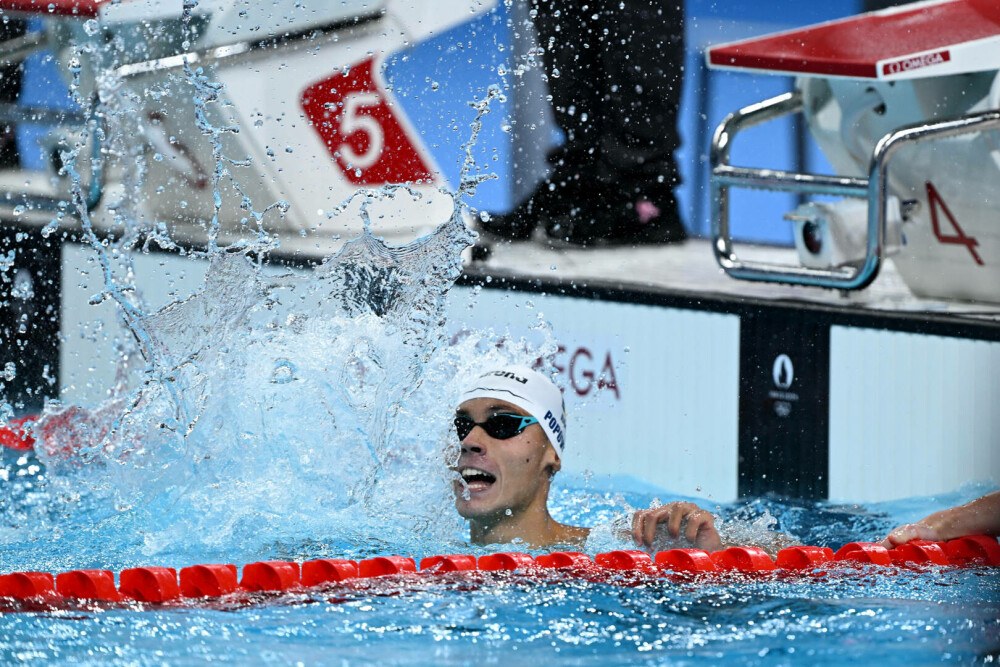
x=877 y=615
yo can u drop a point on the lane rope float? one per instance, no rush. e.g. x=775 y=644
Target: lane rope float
x=156 y=585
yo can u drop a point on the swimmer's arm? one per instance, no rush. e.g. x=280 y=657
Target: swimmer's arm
x=979 y=517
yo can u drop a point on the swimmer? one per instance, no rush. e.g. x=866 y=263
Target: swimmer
x=979 y=517
x=512 y=428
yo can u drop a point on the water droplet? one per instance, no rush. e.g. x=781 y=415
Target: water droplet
x=284 y=372
x=19 y=210
x=484 y=216
x=288 y=149
x=91 y=27
x=435 y=85
x=508 y=512
x=555 y=73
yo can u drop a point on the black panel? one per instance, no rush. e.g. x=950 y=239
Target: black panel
x=784 y=404
x=29 y=317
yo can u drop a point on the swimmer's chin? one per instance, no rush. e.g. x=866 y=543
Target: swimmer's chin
x=470 y=510
x=476 y=499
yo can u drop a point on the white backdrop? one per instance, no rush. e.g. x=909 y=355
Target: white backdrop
x=911 y=414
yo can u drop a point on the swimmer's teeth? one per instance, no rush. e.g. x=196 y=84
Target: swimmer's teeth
x=471 y=475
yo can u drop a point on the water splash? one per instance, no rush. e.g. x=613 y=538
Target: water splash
x=272 y=408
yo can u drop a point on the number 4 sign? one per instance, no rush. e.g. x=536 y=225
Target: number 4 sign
x=959 y=237
x=350 y=113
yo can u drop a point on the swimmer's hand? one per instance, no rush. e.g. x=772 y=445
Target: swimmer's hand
x=700 y=529
x=979 y=517
x=911 y=531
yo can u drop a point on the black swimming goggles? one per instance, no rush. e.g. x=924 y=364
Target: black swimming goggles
x=501 y=426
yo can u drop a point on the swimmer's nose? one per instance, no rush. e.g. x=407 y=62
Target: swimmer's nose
x=471 y=446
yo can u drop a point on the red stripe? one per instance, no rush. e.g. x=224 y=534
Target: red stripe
x=88 y=8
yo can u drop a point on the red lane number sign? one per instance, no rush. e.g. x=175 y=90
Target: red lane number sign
x=350 y=113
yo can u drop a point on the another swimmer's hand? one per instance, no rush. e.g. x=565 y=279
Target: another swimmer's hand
x=911 y=531
x=700 y=528
x=980 y=517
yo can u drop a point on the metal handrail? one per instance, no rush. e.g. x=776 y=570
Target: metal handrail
x=887 y=146
x=237 y=51
x=850 y=275
x=16 y=113
x=17 y=49
x=13 y=51
x=11 y=200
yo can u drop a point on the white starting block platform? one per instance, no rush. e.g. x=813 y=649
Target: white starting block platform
x=690 y=269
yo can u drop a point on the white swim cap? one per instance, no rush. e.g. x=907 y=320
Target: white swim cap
x=529 y=390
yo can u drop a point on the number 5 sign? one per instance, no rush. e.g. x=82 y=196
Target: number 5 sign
x=350 y=112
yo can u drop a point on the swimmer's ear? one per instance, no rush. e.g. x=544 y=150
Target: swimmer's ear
x=555 y=466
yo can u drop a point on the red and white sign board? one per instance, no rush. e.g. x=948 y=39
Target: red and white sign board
x=925 y=39
x=321 y=127
x=316 y=118
x=351 y=112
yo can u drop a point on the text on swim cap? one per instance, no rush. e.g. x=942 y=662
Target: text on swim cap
x=556 y=428
x=508 y=375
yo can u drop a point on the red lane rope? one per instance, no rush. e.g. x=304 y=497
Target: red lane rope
x=15 y=434
x=163 y=584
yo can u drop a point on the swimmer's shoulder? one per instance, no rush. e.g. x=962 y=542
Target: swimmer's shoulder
x=570 y=537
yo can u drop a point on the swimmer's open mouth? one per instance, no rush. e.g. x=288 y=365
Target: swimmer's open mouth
x=476 y=476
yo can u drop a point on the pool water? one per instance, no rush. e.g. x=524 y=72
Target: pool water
x=877 y=615
x=914 y=619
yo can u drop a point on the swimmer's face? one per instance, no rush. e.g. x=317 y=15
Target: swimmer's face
x=501 y=475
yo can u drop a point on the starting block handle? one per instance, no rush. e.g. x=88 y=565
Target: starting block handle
x=848 y=276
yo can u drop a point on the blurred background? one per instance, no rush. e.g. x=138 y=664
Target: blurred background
x=461 y=62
